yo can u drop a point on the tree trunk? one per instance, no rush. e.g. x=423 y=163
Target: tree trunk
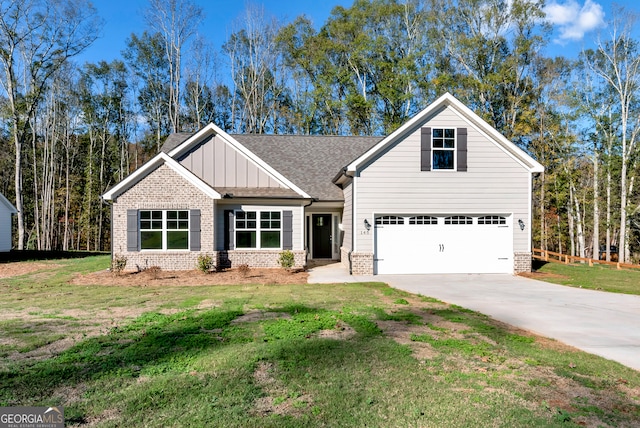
x=596 y=206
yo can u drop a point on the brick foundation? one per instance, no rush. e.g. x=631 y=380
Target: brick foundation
x=521 y=262
x=257 y=258
x=362 y=263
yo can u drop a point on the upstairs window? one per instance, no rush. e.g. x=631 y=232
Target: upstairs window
x=443 y=148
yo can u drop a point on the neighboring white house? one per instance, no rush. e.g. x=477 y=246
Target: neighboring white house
x=444 y=193
x=6 y=211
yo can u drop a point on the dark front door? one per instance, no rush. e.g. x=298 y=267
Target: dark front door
x=321 y=235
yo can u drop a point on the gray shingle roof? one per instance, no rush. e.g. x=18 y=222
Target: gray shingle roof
x=174 y=140
x=258 y=192
x=309 y=161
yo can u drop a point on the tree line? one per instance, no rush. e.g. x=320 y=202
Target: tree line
x=70 y=131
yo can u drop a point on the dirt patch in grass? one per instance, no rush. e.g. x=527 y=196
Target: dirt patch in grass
x=342 y=331
x=22 y=268
x=542 y=275
x=193 y=277
x=278 y=400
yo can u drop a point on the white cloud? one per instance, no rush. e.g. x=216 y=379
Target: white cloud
x=572 y=20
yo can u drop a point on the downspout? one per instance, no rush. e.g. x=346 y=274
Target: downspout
x=110 y=203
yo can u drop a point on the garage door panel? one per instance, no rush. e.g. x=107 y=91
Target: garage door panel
x=443 y=248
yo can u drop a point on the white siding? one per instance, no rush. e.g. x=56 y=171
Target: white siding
x=5 y=228
x=394 y=184
x=298 y=218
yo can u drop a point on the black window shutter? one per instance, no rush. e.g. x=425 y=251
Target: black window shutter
x=462 y=149
x=287 y=230
x=229 y=232
x=425 y=149
x=194 y=230
x=132 y=230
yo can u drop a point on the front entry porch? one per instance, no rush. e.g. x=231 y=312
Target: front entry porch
x=323 y=235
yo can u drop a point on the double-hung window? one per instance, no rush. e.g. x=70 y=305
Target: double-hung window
x=443 y=148
x=164 y=229
x=258 y=229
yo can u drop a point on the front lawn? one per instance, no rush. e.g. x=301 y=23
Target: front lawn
x=260 y=355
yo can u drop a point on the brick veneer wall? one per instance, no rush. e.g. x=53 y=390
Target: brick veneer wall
x=521 y=262
x=362 y=263
x=162 y=189
x=257 y=258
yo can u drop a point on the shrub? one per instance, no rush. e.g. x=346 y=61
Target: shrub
x=205 y=263
x=118 y=263
x=287 y=259
x=154 y=271
x=244 y=269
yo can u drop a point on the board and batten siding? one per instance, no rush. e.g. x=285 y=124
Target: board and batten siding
x=494 y=183
x=223 y=206
x=5 y=228
x=220 y=165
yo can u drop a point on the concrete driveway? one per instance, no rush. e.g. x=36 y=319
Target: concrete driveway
x=605 y=324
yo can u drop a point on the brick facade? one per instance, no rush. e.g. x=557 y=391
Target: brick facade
x=521 y=262
x=257 y=258
x=362 y=263
x=162 y=189
x=166 y=189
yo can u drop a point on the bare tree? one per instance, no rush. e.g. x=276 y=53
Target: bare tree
x=254 y=60
x=617 y=63
x=177 y=21
x=36 y=38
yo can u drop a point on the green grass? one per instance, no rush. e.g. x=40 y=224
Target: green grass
x=147 y=356
x=605 y=278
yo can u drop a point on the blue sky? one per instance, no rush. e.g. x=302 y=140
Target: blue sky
x=576 y=22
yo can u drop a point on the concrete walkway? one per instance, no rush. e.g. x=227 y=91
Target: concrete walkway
x=605 y=324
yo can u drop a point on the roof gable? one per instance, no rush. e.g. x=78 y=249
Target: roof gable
x=212 y=129
x=447 y=100
x=8 y=204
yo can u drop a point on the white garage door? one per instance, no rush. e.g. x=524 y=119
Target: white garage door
x=443 y=244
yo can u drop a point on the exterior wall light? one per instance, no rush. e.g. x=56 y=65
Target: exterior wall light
x=367 y=225
x=521 y=224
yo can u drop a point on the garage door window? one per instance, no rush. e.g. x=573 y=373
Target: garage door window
x=389 y=219
x=423 y=219
x=458 y=219
x=492 y=219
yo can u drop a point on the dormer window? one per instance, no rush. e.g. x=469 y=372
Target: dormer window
x=443 y=148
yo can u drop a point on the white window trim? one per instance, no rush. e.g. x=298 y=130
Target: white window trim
x=454 y=150
x=257 y=229
x=164 y=231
